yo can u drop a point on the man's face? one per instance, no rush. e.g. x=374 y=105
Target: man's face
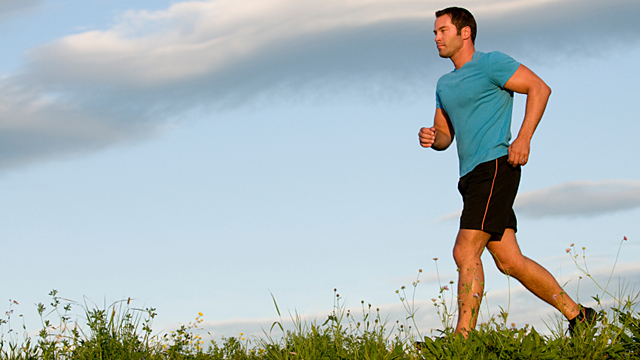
x=447 y=39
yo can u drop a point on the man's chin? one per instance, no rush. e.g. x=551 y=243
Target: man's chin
x=443 y=54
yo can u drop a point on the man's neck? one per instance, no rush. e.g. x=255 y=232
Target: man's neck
x=463 y=56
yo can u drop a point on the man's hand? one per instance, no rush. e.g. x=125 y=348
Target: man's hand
x=427 y=137
x=441 y=132
x=519 y=151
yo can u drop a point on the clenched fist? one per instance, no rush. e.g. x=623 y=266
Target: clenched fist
x=427 y=136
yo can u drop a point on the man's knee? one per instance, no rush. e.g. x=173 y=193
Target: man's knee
x=463 y=257
x=469 y=247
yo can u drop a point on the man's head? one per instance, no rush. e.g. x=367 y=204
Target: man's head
x=461 y=18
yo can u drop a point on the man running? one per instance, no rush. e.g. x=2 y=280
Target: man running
x=474 y=103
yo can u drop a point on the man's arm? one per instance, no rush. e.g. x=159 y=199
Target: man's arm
x=440 y=136
x=524 y=81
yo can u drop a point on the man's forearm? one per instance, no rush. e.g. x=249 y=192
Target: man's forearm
x=442 y=142
x=537 y=99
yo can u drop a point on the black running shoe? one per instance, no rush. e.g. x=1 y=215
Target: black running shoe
x=586 y=318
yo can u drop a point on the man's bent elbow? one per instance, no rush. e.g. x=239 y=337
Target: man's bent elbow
x=546 y=90
x=543 y=89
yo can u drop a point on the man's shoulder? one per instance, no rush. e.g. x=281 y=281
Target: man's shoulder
x=492 y=57
x=444 y=78
x=498 y=66
x=489 y=55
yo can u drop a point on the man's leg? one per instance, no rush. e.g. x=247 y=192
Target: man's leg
x=534 y=277
x=467 y=251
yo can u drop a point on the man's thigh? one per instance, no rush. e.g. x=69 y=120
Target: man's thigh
x=488 y=193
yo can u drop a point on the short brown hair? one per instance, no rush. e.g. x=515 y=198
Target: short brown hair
x=461 y=18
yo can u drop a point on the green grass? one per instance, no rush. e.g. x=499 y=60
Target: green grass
x=121 y=331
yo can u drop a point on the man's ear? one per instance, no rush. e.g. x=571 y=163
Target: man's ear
x=466 y=32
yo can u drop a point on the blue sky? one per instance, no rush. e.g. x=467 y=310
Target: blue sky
x=200 y=155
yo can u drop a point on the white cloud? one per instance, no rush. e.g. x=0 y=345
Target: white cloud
x=193 y=39
x=37 y=126
x=10 y=8
x=450 y=216
x=580 y=198
x=98 y=88
x=575 y=199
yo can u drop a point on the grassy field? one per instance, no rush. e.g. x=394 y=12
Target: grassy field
x=121 y=331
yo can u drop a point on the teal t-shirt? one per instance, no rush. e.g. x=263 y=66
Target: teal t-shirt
x=479 y=107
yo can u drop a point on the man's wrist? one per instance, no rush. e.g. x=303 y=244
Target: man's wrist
x=525 y=137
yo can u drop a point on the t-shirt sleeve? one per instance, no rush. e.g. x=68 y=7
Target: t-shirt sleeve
x=501 y=67
x=439 y=104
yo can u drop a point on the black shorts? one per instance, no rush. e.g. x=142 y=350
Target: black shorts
x=488 y=193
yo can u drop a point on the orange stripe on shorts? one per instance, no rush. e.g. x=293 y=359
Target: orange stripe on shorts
x=490 y=193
